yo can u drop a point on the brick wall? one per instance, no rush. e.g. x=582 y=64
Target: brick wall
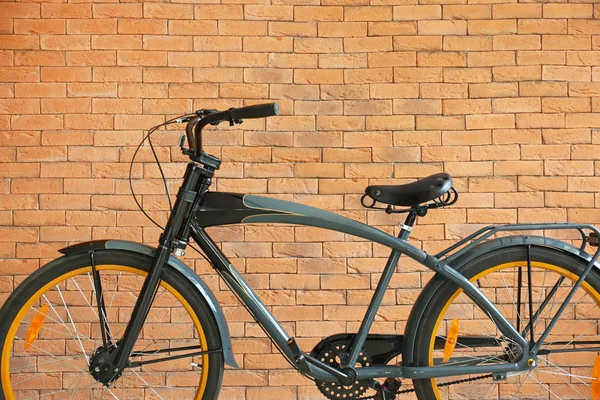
x=502 y=95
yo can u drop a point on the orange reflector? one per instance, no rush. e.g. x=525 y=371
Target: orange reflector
x=35 y=326
x=451 y=339
x=596 y=381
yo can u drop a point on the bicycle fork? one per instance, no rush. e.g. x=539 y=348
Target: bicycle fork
x=174 y=238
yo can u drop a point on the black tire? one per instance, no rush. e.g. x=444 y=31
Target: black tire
x=57 y=359
x=560 y=374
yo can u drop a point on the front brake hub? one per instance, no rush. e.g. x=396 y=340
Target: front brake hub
x=101 y=367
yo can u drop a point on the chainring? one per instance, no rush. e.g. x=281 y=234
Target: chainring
x=333 y=354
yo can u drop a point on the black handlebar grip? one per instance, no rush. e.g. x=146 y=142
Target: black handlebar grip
x=255 y=111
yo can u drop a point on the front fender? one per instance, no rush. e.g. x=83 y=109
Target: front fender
x=458 y=260
x=180 y=267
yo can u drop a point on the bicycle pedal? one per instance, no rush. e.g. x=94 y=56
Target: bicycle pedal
x=392 y=385
x=389 y=389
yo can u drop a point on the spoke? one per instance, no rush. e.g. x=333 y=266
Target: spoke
x=60 y=320
x=58 y=391
x=52 y=355
x=548 y=388
x=73 y=324
x=551 y=364
x=510 y=294
x=574 y=339
x=146 y=383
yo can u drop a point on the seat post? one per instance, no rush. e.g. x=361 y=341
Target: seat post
x=407 y=226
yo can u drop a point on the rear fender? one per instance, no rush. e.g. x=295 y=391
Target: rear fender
x=462 y=259
x=178 y=266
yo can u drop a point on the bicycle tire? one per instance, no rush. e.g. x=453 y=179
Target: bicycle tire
x=555 y=373
x=55 y=360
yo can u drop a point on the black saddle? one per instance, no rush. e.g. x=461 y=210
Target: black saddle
x=411 y=194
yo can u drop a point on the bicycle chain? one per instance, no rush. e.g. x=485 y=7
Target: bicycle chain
x=374 y=396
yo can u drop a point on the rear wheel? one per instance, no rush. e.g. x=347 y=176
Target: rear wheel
x=566 y=359
x=50 y=330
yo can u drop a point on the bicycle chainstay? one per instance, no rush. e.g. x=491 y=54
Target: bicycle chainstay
x=477 y=378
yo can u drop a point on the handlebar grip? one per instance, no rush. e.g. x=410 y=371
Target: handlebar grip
x=254 y=111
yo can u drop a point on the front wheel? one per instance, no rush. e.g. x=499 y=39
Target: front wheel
x=566 y=359
x=50 y=333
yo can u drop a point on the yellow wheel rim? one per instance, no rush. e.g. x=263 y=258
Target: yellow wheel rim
x=546 y=266
x=8 y=343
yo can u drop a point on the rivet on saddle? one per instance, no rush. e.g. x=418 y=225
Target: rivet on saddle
x=437 y=188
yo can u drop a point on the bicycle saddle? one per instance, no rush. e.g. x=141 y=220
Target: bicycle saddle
x=411 y=194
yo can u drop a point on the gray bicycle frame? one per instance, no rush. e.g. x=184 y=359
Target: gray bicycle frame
x=280 y=211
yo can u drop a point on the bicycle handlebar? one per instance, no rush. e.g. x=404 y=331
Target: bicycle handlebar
x=233 y=115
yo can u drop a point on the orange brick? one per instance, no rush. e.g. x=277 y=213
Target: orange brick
x=492 y=27
x=392 y=28
x=66 y=74
x=59 y=106
x=568 y=11
x=489 y=59
x=117 y=42
x=544 y=152
x=442 y=59
x=416 y=13
x=516 y=105
x=484 y=90
x=417 y=74
x=540 y=120
x=318 y=13
x=443 y=90
x=368 y=13
x=19 y=42
x=66 y=10
x=561 y=167
x=517 y=11
x=417 y=106
x=40 y=26
x=117 y=10
x=566 y=42
x=542 y=89
x=517 y=42
x=474 y=11
x=35 y=58
x=431 y=122
x=452 y=107
x=544 y=57
x=446 y=27
x=142 y=26
x=65 y=42
x=562 y=73
x=293 y=29
x=476 y=43
x=565 y=104
x=342 y=29
x=570 y=136
x=543 y=26
x=416 y=43
x=271 y=13
x=95 y=26
x=369 y=44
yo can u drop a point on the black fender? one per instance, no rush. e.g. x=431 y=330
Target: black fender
x=460 y=259
x=181 y=268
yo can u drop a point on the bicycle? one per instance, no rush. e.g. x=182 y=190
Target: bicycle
x=502 y=317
